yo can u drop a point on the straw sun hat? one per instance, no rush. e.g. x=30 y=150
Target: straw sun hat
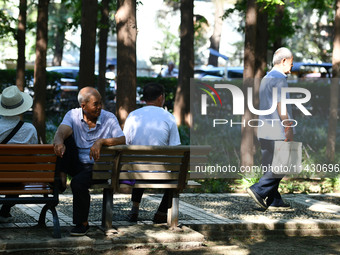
x=14 y=102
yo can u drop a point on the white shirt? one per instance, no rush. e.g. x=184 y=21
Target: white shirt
x=27 y=134
x=151 y=125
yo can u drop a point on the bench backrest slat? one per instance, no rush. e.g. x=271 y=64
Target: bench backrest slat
x=148 y=164
x=133 y=166
x=155 y=158
x=27 y=163
x=148 y=176
x=26 y=159
x=27 y=167
x=26 y=176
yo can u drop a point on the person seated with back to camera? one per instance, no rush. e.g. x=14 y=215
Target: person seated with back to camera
x=151 y=125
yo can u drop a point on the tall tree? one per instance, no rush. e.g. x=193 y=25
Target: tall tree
x=126 y=58
x=216 y=36
x=261 y=49
x=39 y=117
x=247 y=135
x=278 y=19
x=186 y=64
x=88 y=43
x=58 y=20
x=21 y=36
x=103 y=35
x=334 y=91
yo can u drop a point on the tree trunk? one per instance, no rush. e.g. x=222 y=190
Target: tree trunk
x=60 y=23
x=40 y=71
x=278 y=23
x=334 y=90
x=20 y=79
x=59 y=47
x=261 y=51
x=126 y=59
x=216 y=36
x=103 y=35
x=88 y=43
x=247 y=135
x=186 y=64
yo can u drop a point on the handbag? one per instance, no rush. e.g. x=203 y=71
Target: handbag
x=287 y=157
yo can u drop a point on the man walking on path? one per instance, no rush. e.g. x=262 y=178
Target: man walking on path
x=265 y=192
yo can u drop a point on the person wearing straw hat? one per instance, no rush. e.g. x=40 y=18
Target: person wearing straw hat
x=13 y=102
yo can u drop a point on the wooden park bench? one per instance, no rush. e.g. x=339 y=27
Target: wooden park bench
x=29 y=171
x=154 y=167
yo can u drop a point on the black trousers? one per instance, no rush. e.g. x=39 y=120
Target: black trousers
x=81 y=180
x=269 y=183
x=163 y=206
x=6 y=208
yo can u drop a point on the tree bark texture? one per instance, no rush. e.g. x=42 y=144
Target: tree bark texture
x=103 y=35
x=59 y=37
x=20 y=79
x=39 y=117
x=126 y=59
x=278 y=23
x=88 y=43
x=186 y=65
x=247 y=132
x=334 y=90
x=216 y=36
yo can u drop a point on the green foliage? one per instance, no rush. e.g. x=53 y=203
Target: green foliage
x=184 y=133
x=6 y=29
x=170 y=86
x=8 y=78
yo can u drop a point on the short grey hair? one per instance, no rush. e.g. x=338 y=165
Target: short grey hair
x=280 y=54
x=83 y=98
x=85 y=94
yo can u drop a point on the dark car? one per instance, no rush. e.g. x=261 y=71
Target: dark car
x=302 y=71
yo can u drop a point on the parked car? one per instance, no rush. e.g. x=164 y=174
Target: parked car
x=218 y=73
x=302 y=71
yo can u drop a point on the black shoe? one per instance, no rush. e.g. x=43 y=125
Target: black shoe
x=281 y=206
x=5 y=218
x=80 y=230
x=160 y=218
x=259 y=200
x=132 y=217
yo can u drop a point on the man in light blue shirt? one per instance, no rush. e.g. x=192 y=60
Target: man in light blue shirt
x=91 y=128
x=265 y=192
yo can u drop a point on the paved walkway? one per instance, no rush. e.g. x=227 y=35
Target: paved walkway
x=203 y=218
x=198 y=215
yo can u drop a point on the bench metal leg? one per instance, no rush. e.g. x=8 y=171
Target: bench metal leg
x=56 y=225
x=173 y=209
x=42 y=219
x=42 y=216
x=107 y=209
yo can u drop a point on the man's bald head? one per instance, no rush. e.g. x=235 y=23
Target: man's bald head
x=85 y=94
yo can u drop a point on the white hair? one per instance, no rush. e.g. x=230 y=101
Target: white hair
x=281 y=53
x=85 y=94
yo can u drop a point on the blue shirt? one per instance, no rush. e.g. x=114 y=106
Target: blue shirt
x=107 y=126
x=272 y=128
